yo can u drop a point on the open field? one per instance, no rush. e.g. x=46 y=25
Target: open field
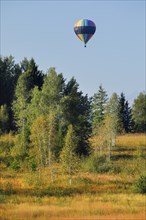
x=102 y=206
x=95 y=196
x=101 y=196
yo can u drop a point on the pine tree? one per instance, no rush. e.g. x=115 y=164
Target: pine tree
x=99 y=101
x=125 y=115
x=128 y=118
x=76 y=110
x=36 y=76
x=9 y=73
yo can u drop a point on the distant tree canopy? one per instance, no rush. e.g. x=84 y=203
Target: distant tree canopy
x=37 y=106
x=9 y=74
x=139 y=112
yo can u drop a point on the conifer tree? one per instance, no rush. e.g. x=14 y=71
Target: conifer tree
x=124 y=115
x=99 y=101
x=9 y=74
x=76 y=110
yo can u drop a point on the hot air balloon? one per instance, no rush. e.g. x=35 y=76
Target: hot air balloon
x=84 y=29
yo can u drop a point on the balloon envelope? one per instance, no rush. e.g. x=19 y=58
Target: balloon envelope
x=84 y=29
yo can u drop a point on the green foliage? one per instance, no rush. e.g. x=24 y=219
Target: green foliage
x=33 y=164
x=99 y=101
x=36 y=76
x=139 y=112
x=2 y=198
x=4 y=119
x=58 y=191
x=43 y=138
x=7 y=143
x=34 y=108
x=111 y=115
x=52 y=91
x=76 y=110
x=30 y=78
x=20 y=149
x=97 y=164
x=69 y=160
x=140 y=184
x=54 y=118
x=15 y=165
x=9 y=73
x=124 y=115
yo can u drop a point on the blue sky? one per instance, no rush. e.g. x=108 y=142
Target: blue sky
x=114 y=57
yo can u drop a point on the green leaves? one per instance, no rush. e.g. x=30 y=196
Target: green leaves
x=140 y=184
x=69 y=160
x=139 y=112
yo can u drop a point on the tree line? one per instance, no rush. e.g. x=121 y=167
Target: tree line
x=53 y=119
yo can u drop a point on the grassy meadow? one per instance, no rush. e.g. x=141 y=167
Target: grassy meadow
x=109 y=195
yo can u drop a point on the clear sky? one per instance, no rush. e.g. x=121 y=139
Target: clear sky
x=114 y=57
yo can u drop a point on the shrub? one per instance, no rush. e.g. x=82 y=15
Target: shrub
x=140 y=184
x=15 y=165
x=57 y=191
x=7 y=142
x=97 y=164
x=32 y=164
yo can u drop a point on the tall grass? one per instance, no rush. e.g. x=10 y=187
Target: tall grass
x=131 y=140
x=97 y=195
x=101 y=206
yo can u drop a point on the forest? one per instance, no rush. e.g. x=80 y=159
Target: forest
x=51 y=133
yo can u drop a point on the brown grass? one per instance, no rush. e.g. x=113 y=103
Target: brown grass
x=122 y=207
x=131 y=140
x=103 y=196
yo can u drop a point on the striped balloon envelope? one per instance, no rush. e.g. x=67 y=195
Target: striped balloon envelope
x=84 y=29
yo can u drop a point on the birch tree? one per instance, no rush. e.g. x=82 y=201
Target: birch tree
x=69 y=160
x=43 y=135
x=105 y=136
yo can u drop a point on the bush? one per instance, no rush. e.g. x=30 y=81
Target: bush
x=140 y=184
x=97 y=164
x=32 y=164
x=7 y=142
x=57 y=191
x=15 y=165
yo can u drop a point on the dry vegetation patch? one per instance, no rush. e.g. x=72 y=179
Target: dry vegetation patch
x=101 y=196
